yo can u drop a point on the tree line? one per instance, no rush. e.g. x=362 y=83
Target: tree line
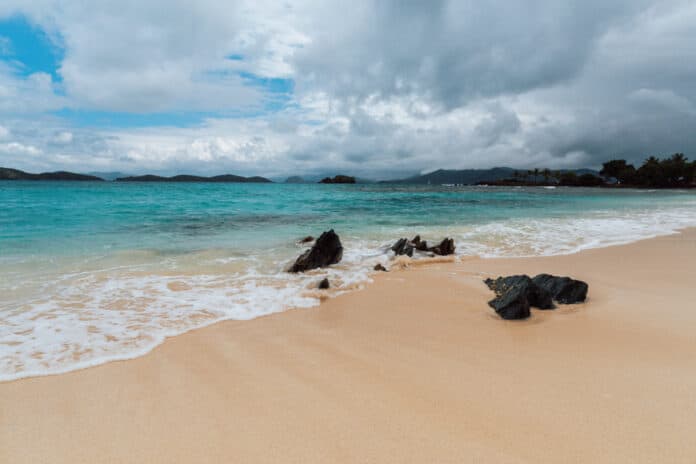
x=672 y=172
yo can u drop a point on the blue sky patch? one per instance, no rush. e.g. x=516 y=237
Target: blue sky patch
x=28 y=48
x=121 y=120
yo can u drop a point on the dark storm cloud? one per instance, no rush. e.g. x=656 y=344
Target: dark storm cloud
x=381 y=88
x=456 y=51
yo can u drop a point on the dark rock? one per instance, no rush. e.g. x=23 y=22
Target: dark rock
x=307 y=239
x=403 y=247
x=324 y=284
x=562 y=289
x=513 y=304
x=326 y=250
x=535 y=295
x=379 y=267
x=446 y=247
x=420 y=245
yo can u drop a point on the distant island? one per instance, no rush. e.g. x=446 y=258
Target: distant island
x=225 y=178
x=670 y=172
x=339 y=179
x=472 y=176
x=16 y=174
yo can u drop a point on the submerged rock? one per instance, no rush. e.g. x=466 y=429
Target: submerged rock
x=379 y=267
x=327 y=250
x=537 y=296
x=404 y=246
x=445 y=248
x=324 y=284
x=562 y=289
x=307 y=239
x=420 y=245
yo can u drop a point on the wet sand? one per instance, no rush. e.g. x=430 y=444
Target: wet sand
x=415 y=368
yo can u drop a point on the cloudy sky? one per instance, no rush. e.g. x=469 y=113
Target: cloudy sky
x=372 y=88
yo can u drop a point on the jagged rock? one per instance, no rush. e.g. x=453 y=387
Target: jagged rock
x=562 y=289
x=446 y=247
x=379 y=267
x=307 y=239
x=513 y=304
x=326 y=250
x=403 y=247
x=324 y=284
x=420 y=245
x=535 y=295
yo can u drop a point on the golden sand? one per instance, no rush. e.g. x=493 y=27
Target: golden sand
x=414 y=369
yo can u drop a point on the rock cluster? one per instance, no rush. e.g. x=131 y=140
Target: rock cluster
x=516 y=294
x=404 y=246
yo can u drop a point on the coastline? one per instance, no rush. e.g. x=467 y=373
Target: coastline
x=413 y=368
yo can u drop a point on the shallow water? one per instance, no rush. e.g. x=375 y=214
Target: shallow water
x=91 y=272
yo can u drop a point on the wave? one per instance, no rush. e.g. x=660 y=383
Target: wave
x=124 y=310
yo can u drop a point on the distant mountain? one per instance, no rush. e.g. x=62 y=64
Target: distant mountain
x=296 y=180
x=471 y=176
x=109 y=175
x=451 y=176
x=16 y=174
x=188 y=178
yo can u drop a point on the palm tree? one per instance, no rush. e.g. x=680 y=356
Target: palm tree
x=546 y=173
x=536 y=175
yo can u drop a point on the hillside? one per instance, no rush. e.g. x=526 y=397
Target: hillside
x=470 y=176
x=16 y=174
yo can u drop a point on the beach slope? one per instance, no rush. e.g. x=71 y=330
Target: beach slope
x=414 y=369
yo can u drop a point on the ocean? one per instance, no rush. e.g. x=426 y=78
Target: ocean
x=92 y=272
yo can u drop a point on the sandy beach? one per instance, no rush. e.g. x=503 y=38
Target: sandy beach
x=414 y=368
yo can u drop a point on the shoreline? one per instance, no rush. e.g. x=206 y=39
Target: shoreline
x=413 y=368
x=397 y=263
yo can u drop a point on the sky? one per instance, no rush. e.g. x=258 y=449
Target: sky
x=378 y=89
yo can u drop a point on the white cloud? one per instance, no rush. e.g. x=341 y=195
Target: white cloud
x=382 y=88
x=16 y=148
x=63 y=138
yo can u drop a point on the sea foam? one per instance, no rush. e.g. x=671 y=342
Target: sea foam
x=72 y=319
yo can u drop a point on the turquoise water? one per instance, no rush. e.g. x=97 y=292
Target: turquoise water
x=96 y=271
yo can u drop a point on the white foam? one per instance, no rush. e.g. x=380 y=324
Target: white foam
x=120 y=310
x=544 y=237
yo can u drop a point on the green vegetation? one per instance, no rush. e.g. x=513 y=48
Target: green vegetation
x=673 y=172
x=339 y=179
